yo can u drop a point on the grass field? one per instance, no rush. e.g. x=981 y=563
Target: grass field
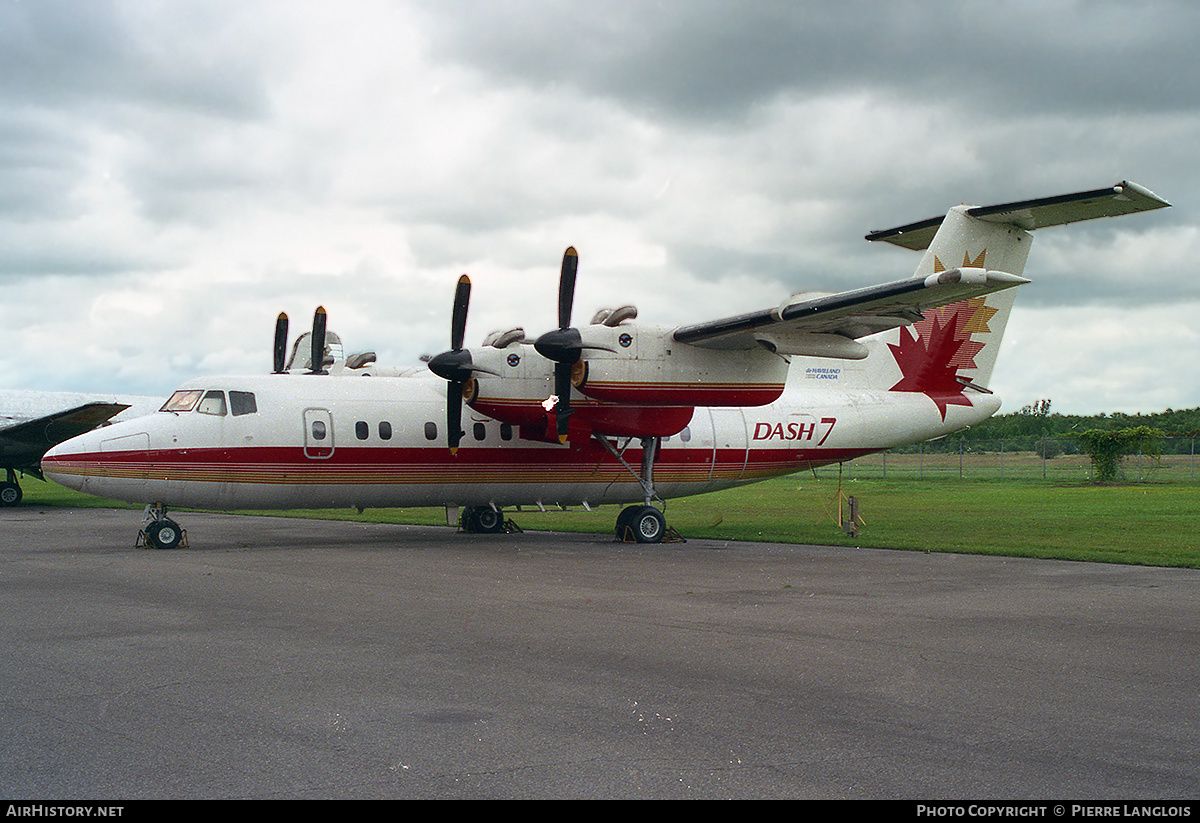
x=1154 y=522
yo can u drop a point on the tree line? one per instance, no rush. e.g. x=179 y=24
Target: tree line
x=1036 y=420
x=1105 y=438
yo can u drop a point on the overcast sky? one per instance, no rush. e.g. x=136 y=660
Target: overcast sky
x=174 y=174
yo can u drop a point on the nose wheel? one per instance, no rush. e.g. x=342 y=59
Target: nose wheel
x=160 y=531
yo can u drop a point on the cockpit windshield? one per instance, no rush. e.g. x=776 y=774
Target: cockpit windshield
x=211 y=402
x=182 y=400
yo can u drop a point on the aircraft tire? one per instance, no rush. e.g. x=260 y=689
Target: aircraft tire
x=10 y=494
x=482 y=520
x=624 y=528
x=164 y=534
x=648 y=524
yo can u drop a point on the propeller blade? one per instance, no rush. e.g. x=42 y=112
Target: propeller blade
x=281 y=331
x=566 y=286
x=454 y=432
x=564 y=345
x=562 y=388
x=458 y=318
x=318 y=342
x=455 y=366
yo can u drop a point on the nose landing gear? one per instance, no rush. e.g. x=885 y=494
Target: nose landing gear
x=159 y=531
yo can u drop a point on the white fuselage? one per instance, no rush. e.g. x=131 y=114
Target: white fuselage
x=322 y=442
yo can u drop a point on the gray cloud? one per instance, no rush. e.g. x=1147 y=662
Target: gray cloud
x=103 y=54
x=195 y=167
x=707 y=58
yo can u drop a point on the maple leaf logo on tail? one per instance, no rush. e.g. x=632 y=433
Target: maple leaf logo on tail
x=930 y=360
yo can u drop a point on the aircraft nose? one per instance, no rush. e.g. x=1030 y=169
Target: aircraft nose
x=65 y=464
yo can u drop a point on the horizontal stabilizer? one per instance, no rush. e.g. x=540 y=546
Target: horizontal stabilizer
x=1123 y=198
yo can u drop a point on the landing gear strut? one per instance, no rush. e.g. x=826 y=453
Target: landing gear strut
x=644 y=523
x=159 y=531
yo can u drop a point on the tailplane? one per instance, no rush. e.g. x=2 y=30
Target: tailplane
x=955 y=346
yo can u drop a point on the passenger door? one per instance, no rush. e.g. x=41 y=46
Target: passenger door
x=318 y=433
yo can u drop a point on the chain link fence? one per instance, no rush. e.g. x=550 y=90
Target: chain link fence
x=1050 y=458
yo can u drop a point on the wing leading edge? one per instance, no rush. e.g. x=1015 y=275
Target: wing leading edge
x=829 y=325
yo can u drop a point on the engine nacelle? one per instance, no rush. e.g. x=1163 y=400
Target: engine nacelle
x=514 y=385
x=643 y=365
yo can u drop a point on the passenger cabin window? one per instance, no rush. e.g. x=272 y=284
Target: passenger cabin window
x=318 y=430
x=385 y=430
x=242 y=402
x=182 y=400
x=213 y=403
x=361 y=430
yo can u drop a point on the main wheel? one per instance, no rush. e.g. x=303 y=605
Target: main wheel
x=482 y=520
x=624 y=528
x=649 y=526
x=164 y=534
x=10 y=494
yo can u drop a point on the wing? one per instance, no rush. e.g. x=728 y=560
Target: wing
x=829 y=325
x=22 y=445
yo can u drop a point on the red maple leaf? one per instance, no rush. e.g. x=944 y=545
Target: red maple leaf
x=930 y=362
x=967 y=317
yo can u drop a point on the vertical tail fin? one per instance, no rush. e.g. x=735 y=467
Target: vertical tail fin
x=978 y=324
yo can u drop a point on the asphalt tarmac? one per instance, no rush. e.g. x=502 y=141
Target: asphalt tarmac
x=287 y=658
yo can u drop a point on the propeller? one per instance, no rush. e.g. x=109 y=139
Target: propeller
x=455 y=366
x=317 y=362
x=281 y=332
x=564 y=345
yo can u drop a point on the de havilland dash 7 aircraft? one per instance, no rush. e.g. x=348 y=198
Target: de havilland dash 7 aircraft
x=613 y=412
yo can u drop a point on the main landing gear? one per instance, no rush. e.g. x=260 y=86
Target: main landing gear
x=159 y=531
x=644 y=523
x=485 y=520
